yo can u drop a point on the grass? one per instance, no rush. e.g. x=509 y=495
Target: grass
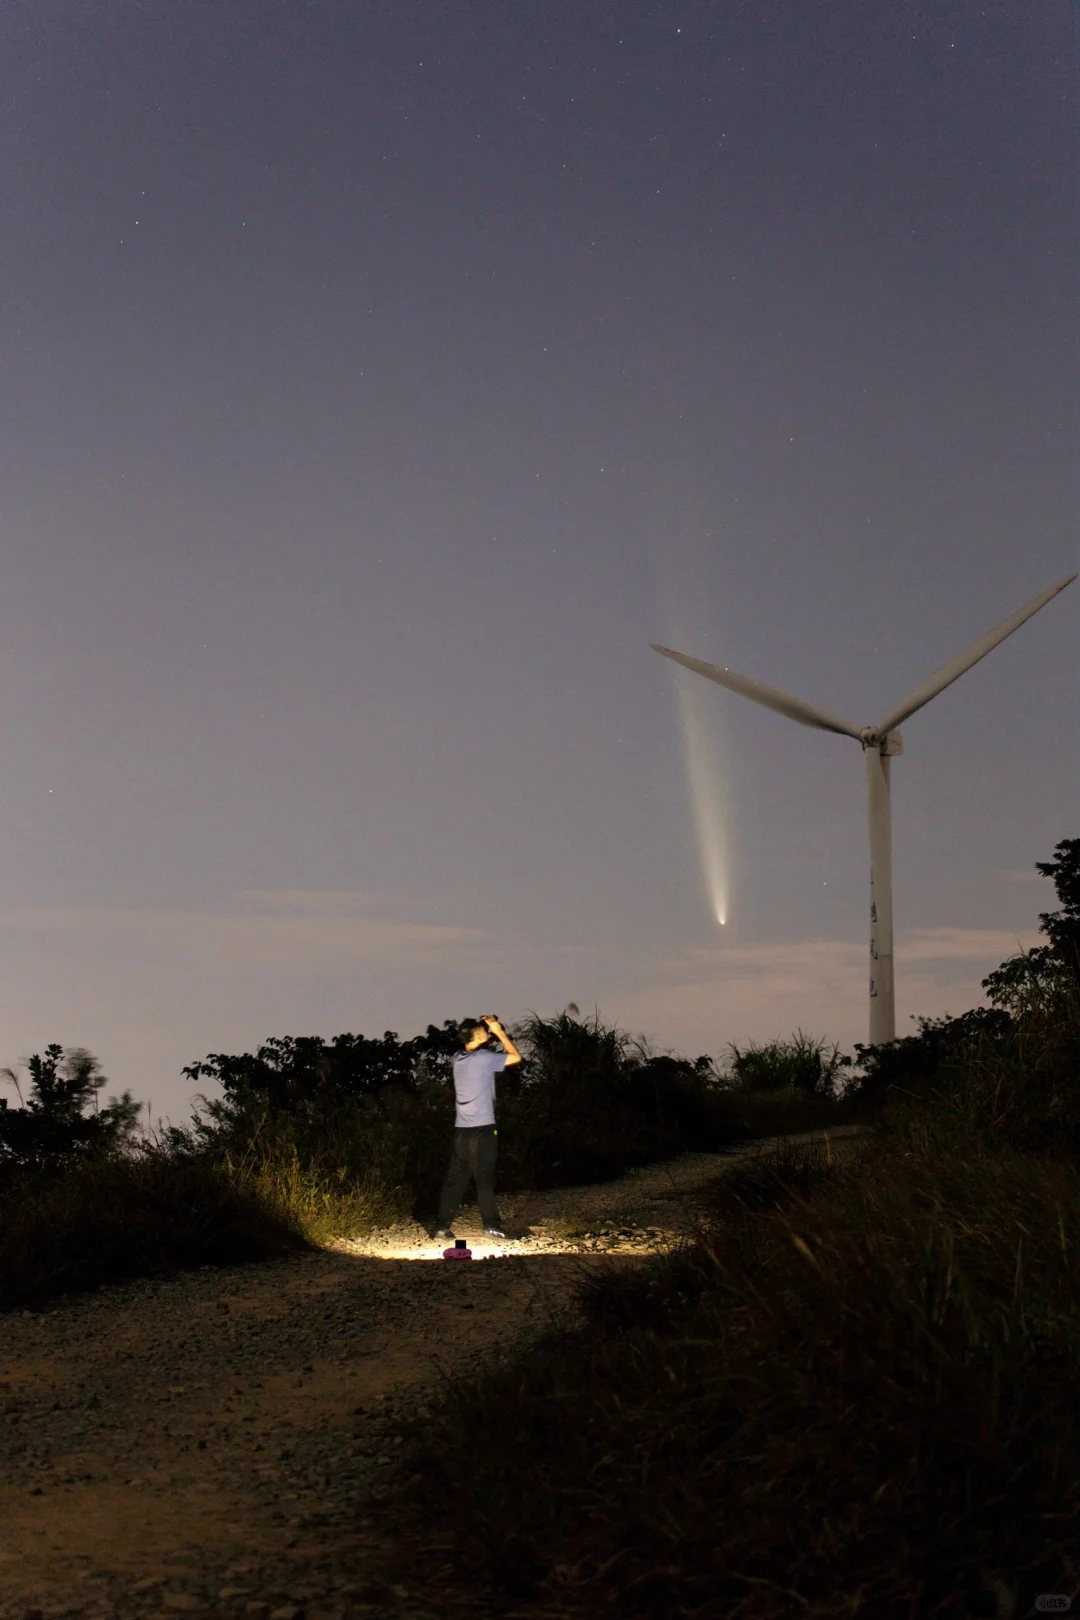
x=110 y=1219
x=800 y=1064
x=1022 y=1086
x=319 y=1204
x=857 y=1393
x=155 y=1211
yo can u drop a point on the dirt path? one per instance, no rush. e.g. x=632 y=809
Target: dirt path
x=206 y=1444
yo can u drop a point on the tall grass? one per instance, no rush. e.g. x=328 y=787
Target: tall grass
x=317 y=1203
x=857 y=1393
x=801 y=1064
x=1021 y=1085
x=103 y=1220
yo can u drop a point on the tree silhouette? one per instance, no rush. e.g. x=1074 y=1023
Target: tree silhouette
x=1046 y=967
x=62 y=1118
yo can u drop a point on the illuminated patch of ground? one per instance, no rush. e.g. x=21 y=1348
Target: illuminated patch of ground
x=641 y=1213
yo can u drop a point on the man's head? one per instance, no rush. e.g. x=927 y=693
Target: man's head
x=473 y=1035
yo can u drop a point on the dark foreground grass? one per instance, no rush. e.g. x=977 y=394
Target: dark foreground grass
x=106 y=1220
x=857 y=1393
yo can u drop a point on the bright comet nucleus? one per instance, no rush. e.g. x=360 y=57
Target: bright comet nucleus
x=707 y=793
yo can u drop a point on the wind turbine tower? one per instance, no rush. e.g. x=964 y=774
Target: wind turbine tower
x=880 y=745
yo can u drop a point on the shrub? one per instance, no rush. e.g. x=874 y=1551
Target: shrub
x=1021 y=1085
x=1053 y=966
x=354 y=1126
x=105 y=1219
x=55 y=1128
x=920 y=1066
x=590 y=1102
x=802 y=1064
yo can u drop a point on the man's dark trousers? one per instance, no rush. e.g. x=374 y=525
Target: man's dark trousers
x=473 y=1159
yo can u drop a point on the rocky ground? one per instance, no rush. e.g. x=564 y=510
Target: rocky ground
x=215 y=1443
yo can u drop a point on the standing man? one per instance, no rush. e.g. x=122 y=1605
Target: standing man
x=475 y=1139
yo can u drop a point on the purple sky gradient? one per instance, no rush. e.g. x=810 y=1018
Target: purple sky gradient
x=379 y=381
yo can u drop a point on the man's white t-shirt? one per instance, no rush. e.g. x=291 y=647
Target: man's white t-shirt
x=474 y=1086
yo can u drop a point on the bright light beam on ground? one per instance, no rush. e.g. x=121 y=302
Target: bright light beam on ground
x=407 y=1242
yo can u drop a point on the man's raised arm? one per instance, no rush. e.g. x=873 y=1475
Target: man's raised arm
x=490 y=1021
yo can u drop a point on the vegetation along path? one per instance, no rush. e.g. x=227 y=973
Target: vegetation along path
x=210 y=1443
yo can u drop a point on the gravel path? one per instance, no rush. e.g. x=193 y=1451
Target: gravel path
x=208 y=1444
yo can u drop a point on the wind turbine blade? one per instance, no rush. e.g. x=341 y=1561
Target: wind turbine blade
x=943 y=677
x=795 y=709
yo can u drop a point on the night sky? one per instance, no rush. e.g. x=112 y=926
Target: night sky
x=380 y=379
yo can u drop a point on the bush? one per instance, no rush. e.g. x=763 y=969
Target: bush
x=1021 y=1085
x=920 y=1066
x=106 y=1219
x=83 y=1202
x=319 y=1204
x=809 y=1067
x=590 y=1102
x=354 y=1126
x=55 y=1128
x=755 y=1115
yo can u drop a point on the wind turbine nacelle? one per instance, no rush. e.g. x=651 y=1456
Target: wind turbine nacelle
x=891 y=743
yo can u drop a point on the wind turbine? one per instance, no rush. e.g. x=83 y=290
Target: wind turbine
x=879 y=743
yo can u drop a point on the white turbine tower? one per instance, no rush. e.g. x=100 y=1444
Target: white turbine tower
x=879 y=743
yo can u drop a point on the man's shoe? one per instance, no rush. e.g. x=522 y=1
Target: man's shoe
x=442 y=1234
x=494 y=1231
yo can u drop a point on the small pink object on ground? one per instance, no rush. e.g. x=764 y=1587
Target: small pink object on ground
x=458 y=1252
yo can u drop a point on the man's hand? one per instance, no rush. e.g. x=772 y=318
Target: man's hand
x=490 y=1021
